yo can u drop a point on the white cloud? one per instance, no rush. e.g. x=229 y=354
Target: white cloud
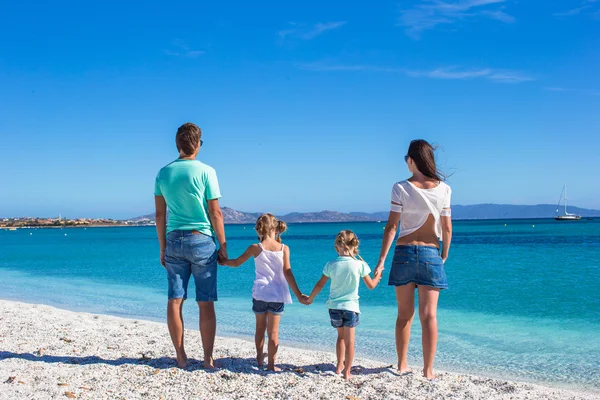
x=587 y=7
x=571 y=12
x=308 y=32
x=183 y=50
x=455 y=73
x=430 y=13
x=500 y=16
x=450 y=73
x=571 y=90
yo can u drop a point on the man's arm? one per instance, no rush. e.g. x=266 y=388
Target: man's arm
x=218 y=225
x=161 y=225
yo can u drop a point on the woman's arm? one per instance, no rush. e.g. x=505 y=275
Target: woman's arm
x=446 y=236
x=252 y=251
x=161 y=225
x=318 y=287
x=289 y=276
x=389 y=234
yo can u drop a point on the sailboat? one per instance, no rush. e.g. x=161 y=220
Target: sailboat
x=566 y=216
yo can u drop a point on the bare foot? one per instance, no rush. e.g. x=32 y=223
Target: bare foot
x=182 y=360
x=347 y=375
x=340 y=367
x=209 y=363
x=429 y=375
x=273 y=368
x=260 y=360
x=404 y=369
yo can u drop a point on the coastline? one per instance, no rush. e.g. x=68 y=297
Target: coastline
x=251 y=223
x=51 y=352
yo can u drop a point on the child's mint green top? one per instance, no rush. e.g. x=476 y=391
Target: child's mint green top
x=187 y=185
x=345 y=274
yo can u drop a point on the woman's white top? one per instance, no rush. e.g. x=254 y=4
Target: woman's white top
x=270 y=284
x=415 y=205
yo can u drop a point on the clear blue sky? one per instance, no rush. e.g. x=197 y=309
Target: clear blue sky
x=305 y=105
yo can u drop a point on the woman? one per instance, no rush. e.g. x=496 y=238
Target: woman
x=421 y=205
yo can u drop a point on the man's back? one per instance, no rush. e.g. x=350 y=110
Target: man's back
x=187 y=185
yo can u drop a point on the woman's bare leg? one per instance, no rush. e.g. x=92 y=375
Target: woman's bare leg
x=428 y=300
x=405 y=297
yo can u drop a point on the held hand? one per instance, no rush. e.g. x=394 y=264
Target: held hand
x=222 y=255
x=162 y=259
x=379 y=268
x=304 y=299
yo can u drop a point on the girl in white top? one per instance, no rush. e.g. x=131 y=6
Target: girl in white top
x=421 y=206
x=270 y=292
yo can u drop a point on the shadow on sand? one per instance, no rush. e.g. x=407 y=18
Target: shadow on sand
x=237 y=365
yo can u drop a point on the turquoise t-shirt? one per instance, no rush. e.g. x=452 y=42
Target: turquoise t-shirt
x=187 y=185
x=345 y=274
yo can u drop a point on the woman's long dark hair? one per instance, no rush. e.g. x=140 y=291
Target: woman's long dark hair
x=422 y=153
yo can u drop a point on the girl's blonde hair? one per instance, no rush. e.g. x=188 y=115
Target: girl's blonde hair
x=266 y=224
x=349 y=241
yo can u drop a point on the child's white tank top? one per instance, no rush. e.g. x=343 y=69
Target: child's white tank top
x=270 y=284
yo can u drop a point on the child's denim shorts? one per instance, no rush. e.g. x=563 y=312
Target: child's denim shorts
x=421 y=265
x=341 y=318
x=262 y=307
x=189 y=253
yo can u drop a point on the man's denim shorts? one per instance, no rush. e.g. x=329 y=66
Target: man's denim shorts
x=191 y=253
x=421 y=265
x=262 y=307
x=341 y=318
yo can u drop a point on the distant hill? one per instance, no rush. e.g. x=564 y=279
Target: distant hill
x=377 y=216
x=323 y=216
x=477 y=211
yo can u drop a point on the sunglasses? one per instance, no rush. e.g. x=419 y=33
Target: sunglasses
x=201 y=142
x=406 y=157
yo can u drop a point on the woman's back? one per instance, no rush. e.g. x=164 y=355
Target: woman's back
x=422 y=204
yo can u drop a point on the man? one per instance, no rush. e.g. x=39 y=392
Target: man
x=190 y=191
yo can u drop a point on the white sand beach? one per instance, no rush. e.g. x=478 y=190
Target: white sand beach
x=51 y=353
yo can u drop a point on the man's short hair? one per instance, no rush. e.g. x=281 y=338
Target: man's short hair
x=188 y=138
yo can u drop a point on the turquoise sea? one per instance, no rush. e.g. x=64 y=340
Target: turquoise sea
x=523 y=303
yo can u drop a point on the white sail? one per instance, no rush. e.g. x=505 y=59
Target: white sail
x=566 y=215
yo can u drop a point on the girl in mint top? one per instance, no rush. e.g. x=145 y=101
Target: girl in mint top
x=345 y=273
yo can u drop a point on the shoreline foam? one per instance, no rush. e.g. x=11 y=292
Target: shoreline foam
x=47 y=352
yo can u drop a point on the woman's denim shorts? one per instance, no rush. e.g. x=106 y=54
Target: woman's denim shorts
x=421 y=265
